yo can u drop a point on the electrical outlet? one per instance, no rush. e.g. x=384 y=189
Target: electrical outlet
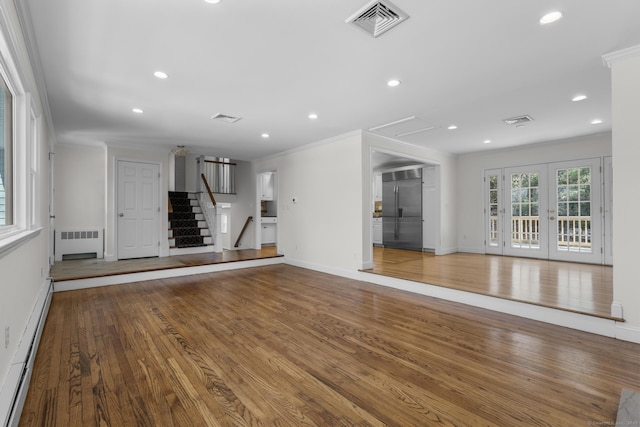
x=6 y=337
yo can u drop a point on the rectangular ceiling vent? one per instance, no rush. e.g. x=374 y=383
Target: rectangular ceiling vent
x=377 y=17
x=225 y=118
x=518 y=121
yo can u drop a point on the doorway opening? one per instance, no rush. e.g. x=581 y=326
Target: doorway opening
x=225 y=225
x=383 y=204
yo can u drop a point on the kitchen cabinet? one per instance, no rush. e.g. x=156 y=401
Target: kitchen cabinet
x=268 y=230
x=266 y=186
x=268 y=234
x=377 y=231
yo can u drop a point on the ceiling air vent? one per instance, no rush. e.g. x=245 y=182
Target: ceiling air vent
x=377 y=17
x=518 y=121
x=225 y=118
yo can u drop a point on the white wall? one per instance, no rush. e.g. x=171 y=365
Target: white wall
x=23 y=269
x=79 y=176
x=626 y=203
x=470 y=171
x=324 y=226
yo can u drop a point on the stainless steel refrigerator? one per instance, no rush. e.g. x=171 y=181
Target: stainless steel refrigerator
x=402 y=209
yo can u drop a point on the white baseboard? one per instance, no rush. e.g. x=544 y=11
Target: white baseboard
x=472 y=250
x=626 y=333
x=446 y=251
x=14 y=390
x=350 y=274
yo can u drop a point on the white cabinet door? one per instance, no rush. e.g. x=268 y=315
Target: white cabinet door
x=377 y=187
x=377 y=231
x=266 y=181
x=268 y=234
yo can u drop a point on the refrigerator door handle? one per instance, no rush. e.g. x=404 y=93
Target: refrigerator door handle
x=396 y=228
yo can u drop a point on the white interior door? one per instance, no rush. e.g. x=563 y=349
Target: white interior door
x=575 y=214
x=138 y=210
x=525 y=224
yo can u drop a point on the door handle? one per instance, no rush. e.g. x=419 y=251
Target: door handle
x=120 y=215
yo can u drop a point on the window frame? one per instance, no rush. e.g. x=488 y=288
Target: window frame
x=13 y=73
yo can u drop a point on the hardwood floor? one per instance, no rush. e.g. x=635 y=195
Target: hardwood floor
x=280 y=345
x=580 y=288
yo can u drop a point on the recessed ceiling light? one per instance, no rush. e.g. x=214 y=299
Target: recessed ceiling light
x=551 y=17
x=212 y=1
x=596 y=121
x=452 y=127
x=137 y=110
x=487 y=141
x=265 y=135
x=393 y=83
x=313 y=116
x=579 y=98
x=161 y=74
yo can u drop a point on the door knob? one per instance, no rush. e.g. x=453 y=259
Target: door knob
x=121 y=215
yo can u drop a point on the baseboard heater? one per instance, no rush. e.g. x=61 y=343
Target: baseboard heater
x=73 y=244
x=14 y=390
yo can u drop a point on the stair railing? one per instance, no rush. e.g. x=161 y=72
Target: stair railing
x=244 y=228
x=206 y=185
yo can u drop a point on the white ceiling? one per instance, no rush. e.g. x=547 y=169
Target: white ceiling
x=465 y=62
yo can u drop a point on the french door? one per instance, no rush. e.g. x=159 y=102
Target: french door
x=526 y=203
x=549 y=211
x=575 y=213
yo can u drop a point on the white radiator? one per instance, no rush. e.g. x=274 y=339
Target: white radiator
x=76 y=242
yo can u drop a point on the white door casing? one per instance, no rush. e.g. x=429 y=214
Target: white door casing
x=138 y=209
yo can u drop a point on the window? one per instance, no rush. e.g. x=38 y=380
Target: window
x=6 y=155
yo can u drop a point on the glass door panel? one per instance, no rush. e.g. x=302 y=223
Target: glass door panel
x=574 y=214
x=493 y=211
x=527 y=232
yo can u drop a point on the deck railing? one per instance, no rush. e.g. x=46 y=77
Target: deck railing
x=572 y=231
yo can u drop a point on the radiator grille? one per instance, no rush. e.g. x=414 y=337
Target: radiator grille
x=81 y=241
x=70 y=235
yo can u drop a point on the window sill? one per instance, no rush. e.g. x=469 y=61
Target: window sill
x=9 y=243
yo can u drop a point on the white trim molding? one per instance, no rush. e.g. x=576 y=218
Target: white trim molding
x=13 y=391
x=630 y=52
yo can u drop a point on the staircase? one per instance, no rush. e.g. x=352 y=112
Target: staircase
x=188 y=231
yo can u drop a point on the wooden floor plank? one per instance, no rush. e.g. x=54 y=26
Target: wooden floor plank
x=280 y=345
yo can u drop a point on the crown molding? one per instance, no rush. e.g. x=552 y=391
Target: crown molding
x=630 y=52
x=33 y=57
